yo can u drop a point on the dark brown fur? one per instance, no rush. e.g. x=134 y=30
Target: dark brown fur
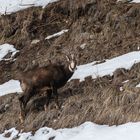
x=50 y=78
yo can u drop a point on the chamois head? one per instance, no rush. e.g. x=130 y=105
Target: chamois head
x=72 y=63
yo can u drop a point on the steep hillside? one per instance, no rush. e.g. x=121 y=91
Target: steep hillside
x=97 y=30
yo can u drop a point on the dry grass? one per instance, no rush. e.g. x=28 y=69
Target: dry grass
x=96 y=101
x=93 y=100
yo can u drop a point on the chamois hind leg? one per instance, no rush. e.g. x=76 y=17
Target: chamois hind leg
x=48 y=98
x=23 y=100
x=22 y=112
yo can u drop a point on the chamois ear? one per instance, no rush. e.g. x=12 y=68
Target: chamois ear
x=68 y=59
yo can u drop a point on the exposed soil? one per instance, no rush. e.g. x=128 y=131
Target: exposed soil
x=108 y=29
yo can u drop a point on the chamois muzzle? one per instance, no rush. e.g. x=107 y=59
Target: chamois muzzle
x=72 y=63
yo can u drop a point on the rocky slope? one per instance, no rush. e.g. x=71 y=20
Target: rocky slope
x=106 y=28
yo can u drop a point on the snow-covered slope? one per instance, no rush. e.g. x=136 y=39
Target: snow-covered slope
x=107 y=68
x=86 y=131
x=9 y=6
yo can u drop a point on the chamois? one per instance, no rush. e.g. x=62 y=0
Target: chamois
x=50 y=78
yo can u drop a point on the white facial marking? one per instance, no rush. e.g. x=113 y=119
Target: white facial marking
x=70 y=69
x=72 y=65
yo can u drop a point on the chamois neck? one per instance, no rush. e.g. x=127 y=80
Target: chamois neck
x=68 y=72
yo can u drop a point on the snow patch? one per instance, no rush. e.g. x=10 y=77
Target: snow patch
x=121 y=88
x=86 y=131
x=56 y=34
x=13 y=133
x=10 y=6
x=131 y=1
x=35 y=41
x=83 y=46
x=138 y=85
x=107 y=68
x=125 y=81
x=11 y=86
x=136 y=1
x=5 y=49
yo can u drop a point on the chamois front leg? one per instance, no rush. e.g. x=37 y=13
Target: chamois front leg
x=55 y=93
x=23 y=100
x=48 y=98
